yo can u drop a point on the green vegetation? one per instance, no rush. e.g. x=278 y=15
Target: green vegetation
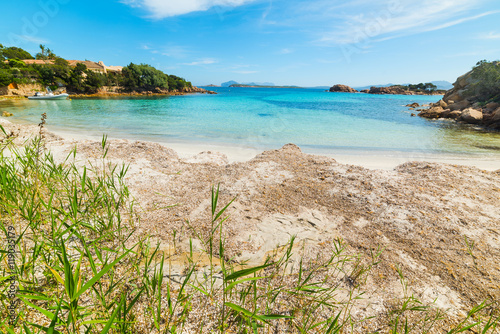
x=82 y=267
x=426 y=88
x=144 y=77
x=79 y=79
x=45 y=53
x=13 y=53
x=423 y=87
x=6 y=78
x=486 y=85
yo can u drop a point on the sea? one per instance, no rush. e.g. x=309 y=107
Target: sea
x=317 y=121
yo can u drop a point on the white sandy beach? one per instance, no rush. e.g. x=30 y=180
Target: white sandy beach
x=385 y=160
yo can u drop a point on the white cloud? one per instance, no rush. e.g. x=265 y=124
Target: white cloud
x=207 y=61
x=175 y=51
x=32 y=39
x=490 y=35
x=390 y=19
x=165 y=8
x=286 y=51
x=245 y=72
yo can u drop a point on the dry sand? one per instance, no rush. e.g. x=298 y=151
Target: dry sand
x=420 y=212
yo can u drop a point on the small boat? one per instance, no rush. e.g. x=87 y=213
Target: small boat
x=49 y=96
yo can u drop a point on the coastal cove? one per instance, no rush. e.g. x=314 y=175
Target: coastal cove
x=374 y=131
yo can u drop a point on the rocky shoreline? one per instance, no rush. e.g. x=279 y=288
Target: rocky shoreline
x=24 y=91
x=460 y=105
x=391 y=90
x=106 y=94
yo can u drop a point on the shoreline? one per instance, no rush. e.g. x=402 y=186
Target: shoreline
x=108 y=94
x=383 y=160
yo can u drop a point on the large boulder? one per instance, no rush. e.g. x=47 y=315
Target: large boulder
x=342 y=89
x=443 y=104
x=459 y=105
x=493 y=119
x=434 y=112
x=492 y=106
x=472 y=116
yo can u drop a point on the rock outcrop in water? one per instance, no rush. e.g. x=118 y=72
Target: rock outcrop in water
x=342 y=89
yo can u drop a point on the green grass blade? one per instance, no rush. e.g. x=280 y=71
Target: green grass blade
x=246 y=272
x=100 y=274
x=112 y=318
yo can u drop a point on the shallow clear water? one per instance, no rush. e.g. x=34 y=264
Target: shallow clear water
x=316 y=120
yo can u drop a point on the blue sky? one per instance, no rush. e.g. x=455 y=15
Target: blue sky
x=287 y=42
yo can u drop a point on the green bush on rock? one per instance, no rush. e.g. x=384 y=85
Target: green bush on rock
x=486 y=85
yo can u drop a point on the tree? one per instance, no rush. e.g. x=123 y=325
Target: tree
x=94 y=81
x=144 y=77
x=486 y=85
x=76 y=78
x=430 y=87
x=47 y=75
x=6 y=78
x=16 y=63
x=15 y=53
x=45 y=53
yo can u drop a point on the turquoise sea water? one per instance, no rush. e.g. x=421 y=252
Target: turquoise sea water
x=316 y=120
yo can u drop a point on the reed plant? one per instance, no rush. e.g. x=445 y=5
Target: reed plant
x=81 y=267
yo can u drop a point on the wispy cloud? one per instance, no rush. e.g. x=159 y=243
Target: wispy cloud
x=389 y=19
x=245 y=72
x=490 y=35
x=207 y=61
x=286 y=51
x=175 y=51
x=166 y=8
x=32 y=39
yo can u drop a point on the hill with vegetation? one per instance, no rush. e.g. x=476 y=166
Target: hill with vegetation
x=474 y=99
x=410 y=89
x=57 y=72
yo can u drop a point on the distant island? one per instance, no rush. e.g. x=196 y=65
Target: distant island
x=261 y=86
x=432 y=88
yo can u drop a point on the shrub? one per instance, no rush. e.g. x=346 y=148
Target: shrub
x=6 y=78
x=144 y=77
x=15 y=53
x=486 y=85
